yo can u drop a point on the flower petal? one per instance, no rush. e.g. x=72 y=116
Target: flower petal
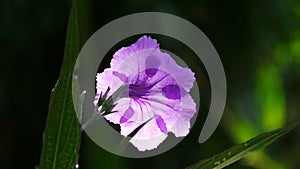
x=188 y=110
x=161 y=124
x=128 y=127
x=157 y=97
x=172 y=91
x=148 y=137
x=147 y=61
x=166 y=108
x=105 y=80
x=122 y=54
x=184 y=77
x=127 y=115
x=121 y=76
x=119 y=109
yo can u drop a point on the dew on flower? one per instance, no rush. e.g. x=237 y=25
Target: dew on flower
x=154 y=95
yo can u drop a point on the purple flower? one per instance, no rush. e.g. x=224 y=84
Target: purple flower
x=157 y=93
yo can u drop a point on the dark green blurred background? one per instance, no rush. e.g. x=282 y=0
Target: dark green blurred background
x=258 y=42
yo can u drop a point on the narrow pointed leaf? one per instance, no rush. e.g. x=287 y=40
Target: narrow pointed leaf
x=62 y=133
x=239 y=151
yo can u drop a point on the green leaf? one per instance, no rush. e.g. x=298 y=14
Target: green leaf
x=62 y=133
x=239 y=151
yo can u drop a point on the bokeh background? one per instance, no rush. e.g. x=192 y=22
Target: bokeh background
x=258 y=42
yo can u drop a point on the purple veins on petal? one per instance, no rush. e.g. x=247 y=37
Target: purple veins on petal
x=161 y=124
x=157 y=91
x=151 y=71
x=127 y=115
x=138 y=91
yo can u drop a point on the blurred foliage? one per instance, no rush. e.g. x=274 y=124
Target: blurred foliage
x=258 y=42
x=239 y=151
